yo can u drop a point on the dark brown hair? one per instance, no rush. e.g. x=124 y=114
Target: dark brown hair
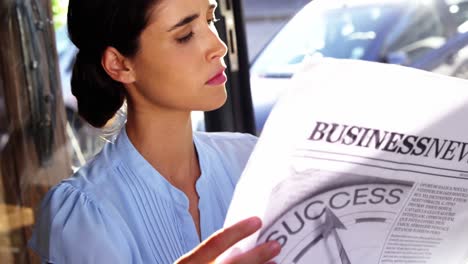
x=94 y=25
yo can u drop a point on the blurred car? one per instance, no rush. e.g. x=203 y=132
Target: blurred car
x=425 y=34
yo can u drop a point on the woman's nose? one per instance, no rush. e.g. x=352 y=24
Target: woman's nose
x=218 y=48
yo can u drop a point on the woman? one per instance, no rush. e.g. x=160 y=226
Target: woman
x=159 y=190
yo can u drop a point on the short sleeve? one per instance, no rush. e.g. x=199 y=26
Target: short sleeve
x=71 y=228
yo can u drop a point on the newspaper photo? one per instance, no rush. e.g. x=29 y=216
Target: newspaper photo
x=363 y=163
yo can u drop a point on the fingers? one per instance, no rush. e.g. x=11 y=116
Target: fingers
x=222 y=240
x=258 y=255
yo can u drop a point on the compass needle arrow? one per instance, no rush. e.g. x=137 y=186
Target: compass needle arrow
x=332 y=223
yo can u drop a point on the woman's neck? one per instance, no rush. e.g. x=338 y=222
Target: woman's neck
x=166 y=142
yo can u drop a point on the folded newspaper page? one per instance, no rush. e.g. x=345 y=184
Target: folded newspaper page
x=364 y=163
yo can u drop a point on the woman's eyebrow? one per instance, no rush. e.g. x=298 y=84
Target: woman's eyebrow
x=188 y=19
x=184 y=21
x=212 y=6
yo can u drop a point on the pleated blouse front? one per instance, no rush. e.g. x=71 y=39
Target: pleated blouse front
x=119 y=209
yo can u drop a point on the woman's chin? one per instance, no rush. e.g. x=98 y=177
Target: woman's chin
x=216 y=103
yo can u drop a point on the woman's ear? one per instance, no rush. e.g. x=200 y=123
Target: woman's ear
x=117 y=66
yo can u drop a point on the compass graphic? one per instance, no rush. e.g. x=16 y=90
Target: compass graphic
x=332 y=218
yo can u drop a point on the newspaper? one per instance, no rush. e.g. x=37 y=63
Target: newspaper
x=361 y=162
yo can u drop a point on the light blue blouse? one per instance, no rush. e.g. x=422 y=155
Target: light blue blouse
x=119 y=209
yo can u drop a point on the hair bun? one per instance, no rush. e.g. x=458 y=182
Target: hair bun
x=98 y=95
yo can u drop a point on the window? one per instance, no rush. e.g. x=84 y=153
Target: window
x=421 y=31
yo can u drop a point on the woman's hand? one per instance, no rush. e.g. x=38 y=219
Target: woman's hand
x=215 y=245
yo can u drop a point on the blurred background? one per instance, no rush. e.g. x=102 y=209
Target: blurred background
x=264 y=18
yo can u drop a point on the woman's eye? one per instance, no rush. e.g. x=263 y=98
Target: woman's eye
x=212 y=21
x=185 y=38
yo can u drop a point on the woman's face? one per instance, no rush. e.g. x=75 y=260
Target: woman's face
x=180 y=65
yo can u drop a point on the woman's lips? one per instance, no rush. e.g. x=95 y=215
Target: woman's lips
x=219 y=78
